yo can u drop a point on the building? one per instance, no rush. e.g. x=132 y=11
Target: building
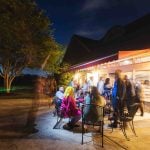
x=123 y=47
x=133 y=36
x=135 y=64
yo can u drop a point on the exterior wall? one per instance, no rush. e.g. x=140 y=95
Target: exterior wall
x=136 y=67
x=126 y=54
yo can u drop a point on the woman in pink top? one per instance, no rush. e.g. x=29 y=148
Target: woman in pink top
x=69 y=108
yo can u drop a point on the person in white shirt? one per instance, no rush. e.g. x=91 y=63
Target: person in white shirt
x=85 y=86
x=60 y=94
x=90 y=83
x=100 y=85
x=58 y=100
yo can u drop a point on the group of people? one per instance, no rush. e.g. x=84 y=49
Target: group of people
x=124 y=94
x=69 y=107
x=121 y=96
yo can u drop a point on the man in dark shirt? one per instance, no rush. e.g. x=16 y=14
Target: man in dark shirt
x=118 y=97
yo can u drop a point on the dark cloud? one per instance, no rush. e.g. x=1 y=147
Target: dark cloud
x=92 y=5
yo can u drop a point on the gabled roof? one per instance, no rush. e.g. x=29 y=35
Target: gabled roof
x=135 y=35
x=80 y=49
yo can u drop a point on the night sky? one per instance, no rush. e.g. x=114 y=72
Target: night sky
x=90 y=18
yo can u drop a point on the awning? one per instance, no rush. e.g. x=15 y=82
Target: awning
x=94 y=62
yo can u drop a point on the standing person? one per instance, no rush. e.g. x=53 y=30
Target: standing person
x=90 y=83
x=118 y=97
x=69 y=108
x=107 y=95
x=100 y=85
x=139 y=96
x=107 y=89
x=85 y=86
x=130 y=92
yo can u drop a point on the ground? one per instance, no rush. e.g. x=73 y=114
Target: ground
x=15 y=134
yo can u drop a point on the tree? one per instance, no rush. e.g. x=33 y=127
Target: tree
x=25 y=39
x=54 y=59
x=65 y=75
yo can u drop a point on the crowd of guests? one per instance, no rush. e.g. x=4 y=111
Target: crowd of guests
x=120 y=96
x=70 y=106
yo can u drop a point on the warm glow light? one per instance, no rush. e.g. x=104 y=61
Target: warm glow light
x=95 y=77
x=76 y=76
x=127 y=62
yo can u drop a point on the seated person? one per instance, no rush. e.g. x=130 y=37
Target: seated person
x=79 y=97
x=58 y=99
x=90 y=113
x=69 y=108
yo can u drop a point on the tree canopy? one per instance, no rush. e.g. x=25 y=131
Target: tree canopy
x=25 y=39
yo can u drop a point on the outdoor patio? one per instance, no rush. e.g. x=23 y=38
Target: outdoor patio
x=48 y=138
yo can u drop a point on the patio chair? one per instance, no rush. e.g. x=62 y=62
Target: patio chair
x=128 y=118
x=59 y=118
x=86 y=120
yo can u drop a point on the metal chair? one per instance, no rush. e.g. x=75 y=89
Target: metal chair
x=59 y=118
x=96 y=111
x=58 y=115
x=128 y=118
